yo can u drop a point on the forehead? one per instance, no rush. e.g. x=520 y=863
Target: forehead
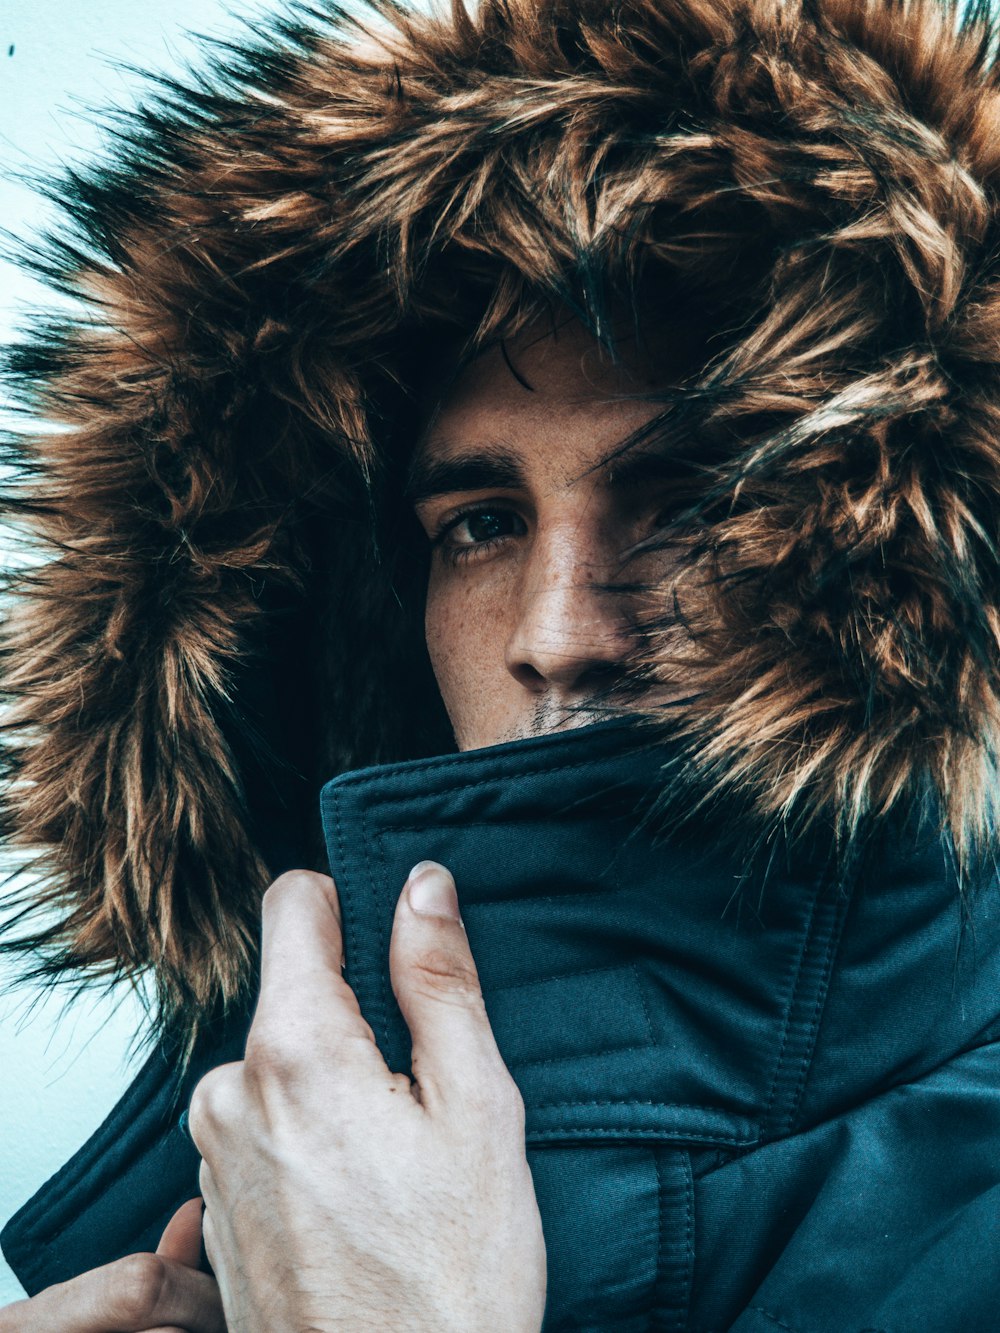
x=553 y=398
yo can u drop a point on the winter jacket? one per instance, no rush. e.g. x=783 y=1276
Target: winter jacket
x=227 y=616
x=758 y=1095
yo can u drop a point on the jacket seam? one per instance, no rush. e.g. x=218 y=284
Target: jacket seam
x=668 y=1137
x=811 y=1034
x=688 y=1238
x=806 y=1003
x=448 y=761
x=660 y=1240
x=347 y=913
x=401 y=798
x=890 y=1088
x=635 y=1101
x=671 y=1295
x=845 y=1111
x=385 y=985
x=789 y=1023
x=382 y=1024
x=808 y=936
x=539 y=1060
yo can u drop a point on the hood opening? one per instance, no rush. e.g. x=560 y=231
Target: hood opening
x=228 y=611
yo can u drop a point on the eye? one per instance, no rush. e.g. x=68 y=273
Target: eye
x=484 y=525
x=475 y=532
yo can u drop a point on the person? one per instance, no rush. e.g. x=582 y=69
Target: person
x=527 y=492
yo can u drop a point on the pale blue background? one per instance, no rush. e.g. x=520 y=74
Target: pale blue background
x=61 y=1070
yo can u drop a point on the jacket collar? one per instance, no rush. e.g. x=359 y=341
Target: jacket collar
x=643 y=985
x=678 y=984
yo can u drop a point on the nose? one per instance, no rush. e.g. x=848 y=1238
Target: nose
x=571 y=635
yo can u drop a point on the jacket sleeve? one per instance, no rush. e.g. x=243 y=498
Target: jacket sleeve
x=885 y=1219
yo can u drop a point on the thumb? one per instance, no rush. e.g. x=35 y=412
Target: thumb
x=436 y=984
x=181 y=1240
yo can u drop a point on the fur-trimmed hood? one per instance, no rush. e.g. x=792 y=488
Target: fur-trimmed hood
x=226 y=614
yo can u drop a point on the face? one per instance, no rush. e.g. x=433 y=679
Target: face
x=530 y=527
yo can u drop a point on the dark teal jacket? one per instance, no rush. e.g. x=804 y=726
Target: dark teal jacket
x=762 y=1092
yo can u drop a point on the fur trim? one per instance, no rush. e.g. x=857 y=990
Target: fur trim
x=817 y=179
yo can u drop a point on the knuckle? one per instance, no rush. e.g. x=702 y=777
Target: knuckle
x=286 y=883
x=208 y=1239
x=271 y=1052
x=510 y=1102
x=267 y=1064
x=139 y=1283
x=442 y=974
x=499 y=1100
x=292 y=884
x=207 y=1108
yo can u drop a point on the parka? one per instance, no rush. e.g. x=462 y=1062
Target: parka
x=739 y=950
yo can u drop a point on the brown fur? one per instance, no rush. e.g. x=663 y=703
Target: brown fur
x=816 y=182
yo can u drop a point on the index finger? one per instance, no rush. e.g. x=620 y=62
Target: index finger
x=302 y=954
x=138 y=1292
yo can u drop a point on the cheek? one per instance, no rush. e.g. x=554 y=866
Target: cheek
x=466 y=630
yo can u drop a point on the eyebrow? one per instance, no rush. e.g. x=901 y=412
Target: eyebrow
x=480 y=469
x=495 y=467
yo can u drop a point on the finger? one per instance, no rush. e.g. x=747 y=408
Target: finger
x=302 y=953
x=301 y=926
x=436 y=984
x=216 y=1108
x=181 y=1239
x=140 y=1292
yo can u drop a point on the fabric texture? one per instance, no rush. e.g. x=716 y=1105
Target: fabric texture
x=752 y=1094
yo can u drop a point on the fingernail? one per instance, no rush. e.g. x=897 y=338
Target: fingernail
x=432 y=891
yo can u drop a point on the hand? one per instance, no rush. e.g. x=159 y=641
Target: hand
x=142 y=1293
x=341 y=1195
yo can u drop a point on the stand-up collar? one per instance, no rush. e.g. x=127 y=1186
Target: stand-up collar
x=646 y=982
